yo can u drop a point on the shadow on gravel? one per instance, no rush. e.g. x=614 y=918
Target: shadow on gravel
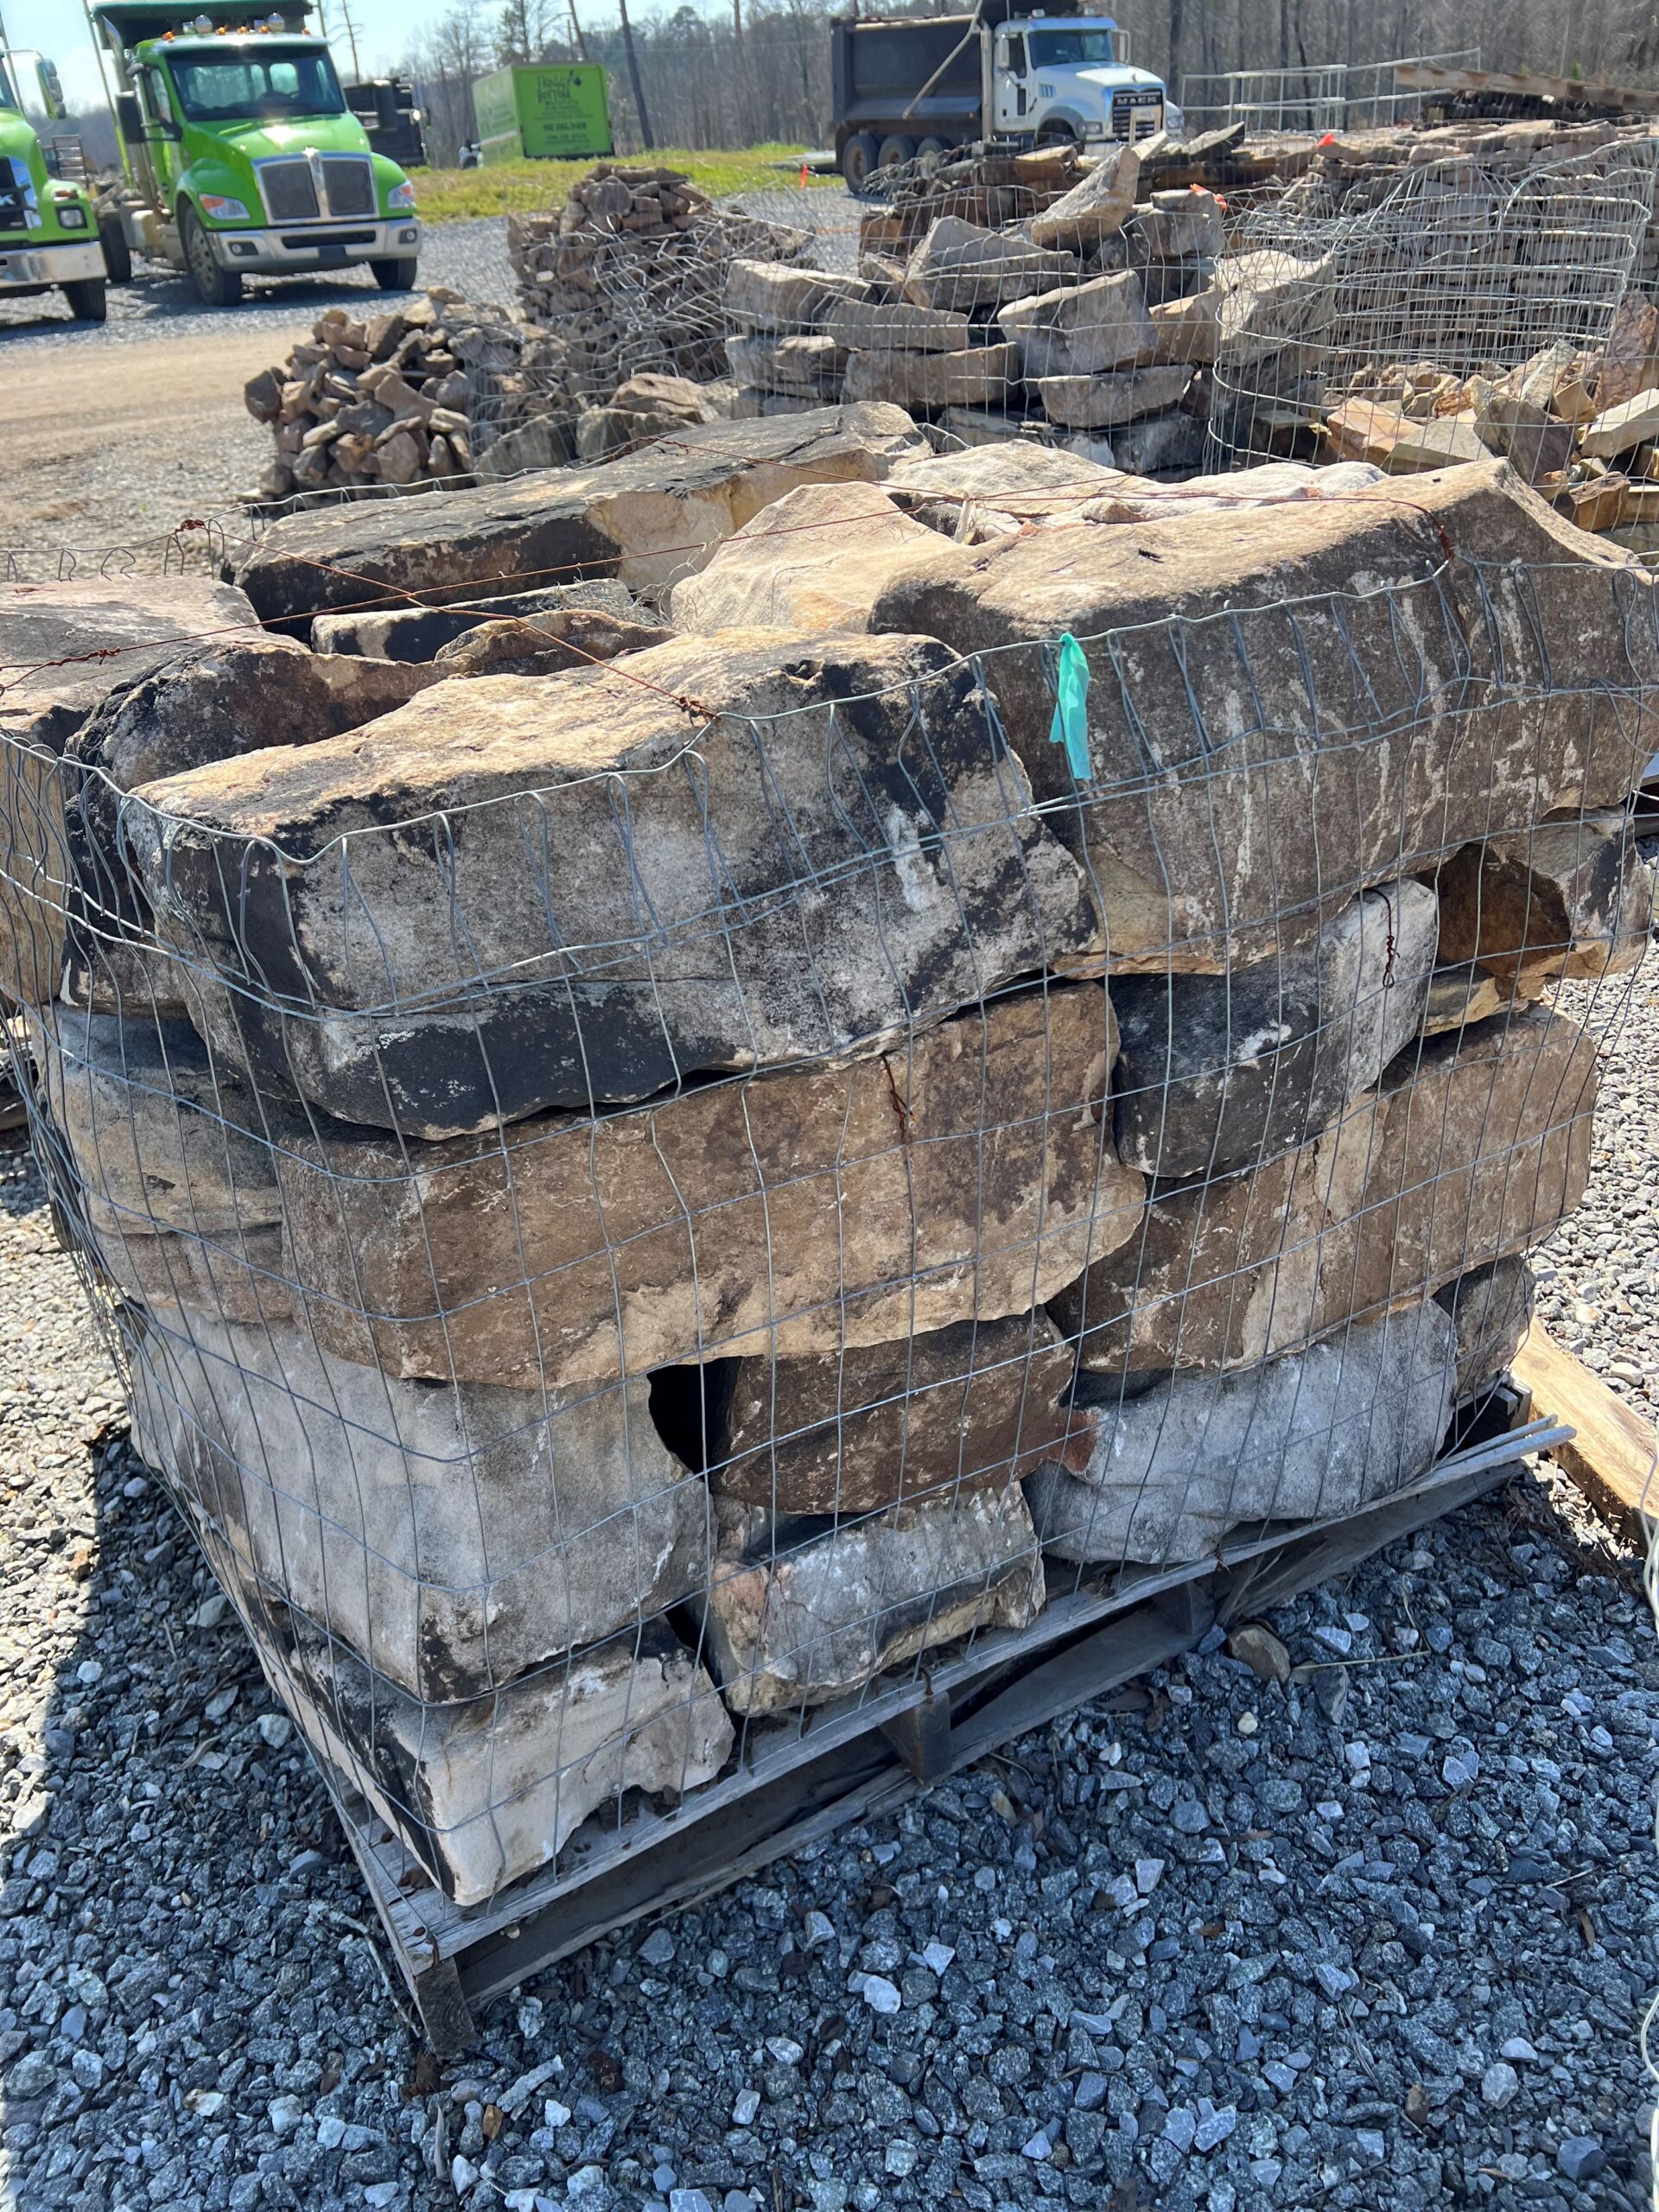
x=163 y=299
x=180 y=1945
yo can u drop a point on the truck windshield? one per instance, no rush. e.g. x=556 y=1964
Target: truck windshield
x=1071 y=49
x=255 y=87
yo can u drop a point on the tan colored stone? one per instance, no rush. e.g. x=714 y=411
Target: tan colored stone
x=1211 y=755
x=976 y=1403
x=1095 y=209
x=1569 y=899
x=1188 y=330
x=797 y=1213
x=1102 y=401
x=1476 y=1148
x=816 y=560
x=980 y=376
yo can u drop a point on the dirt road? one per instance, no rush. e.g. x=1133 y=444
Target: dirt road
x=107 y=450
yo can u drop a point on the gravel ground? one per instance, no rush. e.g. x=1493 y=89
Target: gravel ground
x=470 y=258
x=1379 y=1938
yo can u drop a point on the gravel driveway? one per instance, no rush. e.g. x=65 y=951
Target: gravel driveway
x=470 y=258
x=1381 y=1939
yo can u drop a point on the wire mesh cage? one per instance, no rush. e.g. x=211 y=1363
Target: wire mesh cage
x=1471 y=265
x=651 y=1210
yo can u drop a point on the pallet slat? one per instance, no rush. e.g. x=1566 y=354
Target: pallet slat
x=1611 y=1453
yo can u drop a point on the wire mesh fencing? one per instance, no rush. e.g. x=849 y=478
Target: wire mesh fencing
x=646 y=1208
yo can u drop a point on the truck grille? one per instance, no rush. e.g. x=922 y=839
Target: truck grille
x=290 y=193
x=349 y=184
x=1137 y=115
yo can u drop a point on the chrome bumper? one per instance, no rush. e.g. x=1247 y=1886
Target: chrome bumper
x=286 y=249
x=32 y=266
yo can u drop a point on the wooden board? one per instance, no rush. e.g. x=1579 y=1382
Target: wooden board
x=1610 y=1455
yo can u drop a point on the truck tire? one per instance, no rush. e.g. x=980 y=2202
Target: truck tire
x=87 y=299
x=925 y=146
x=895 y=152
x=118 y=254
x=858 y=159
x=215 y=287
x=395 y=276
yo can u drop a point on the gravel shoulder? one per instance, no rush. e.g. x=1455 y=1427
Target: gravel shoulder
x=1380 y=1938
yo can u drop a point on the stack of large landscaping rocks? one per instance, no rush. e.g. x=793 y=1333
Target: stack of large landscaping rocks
x=649 y=1186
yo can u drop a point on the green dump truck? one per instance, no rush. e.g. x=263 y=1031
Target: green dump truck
x=49 y=226
x=552 y=111
x=243 y=157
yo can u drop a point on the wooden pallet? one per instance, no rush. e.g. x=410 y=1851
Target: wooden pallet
x=799 y=1782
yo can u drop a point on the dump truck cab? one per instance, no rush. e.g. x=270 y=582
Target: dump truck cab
x=249 y=159
x=49 y=227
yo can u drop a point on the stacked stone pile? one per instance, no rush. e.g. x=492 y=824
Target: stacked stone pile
x=414 y=395
x=1092 y=314
x=662 y=1150
x=627 y=276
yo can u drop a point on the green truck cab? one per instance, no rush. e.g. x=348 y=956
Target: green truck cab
x=245 y=155
x=49 y=227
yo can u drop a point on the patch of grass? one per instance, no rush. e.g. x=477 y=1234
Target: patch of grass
x=459 y=196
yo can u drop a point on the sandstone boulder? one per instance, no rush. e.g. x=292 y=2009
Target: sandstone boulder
x=968 y=1176
x=889 y=326
x=773 y=295
x=231 y=1277
x=974 y=1404
x=1188 y=330
x=1215 y=1072
x=1448 y=700
x=1492 y=1311
x=1102 y=324
x=1569 y=899
x=797 y=1625
x=714 y=855
x=545 y=644
x=1012 y=480
x=649 y=517
x=806 y=365
x=1321 y=1433
x=64 y=648
x=957 y=264
x=1100 y=402
x=1094 y=209
x=453 y=1537
x=1178 y=226
x=980 y=376
x=1475 y=1146
x=816 y=560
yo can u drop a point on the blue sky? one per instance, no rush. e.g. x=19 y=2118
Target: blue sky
x=59 y=28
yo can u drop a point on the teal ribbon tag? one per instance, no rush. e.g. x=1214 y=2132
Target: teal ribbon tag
x=1070 y=724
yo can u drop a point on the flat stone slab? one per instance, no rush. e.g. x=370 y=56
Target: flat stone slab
x=980 y=376
x=1571 y=899
x=794 y=1627
x=704 y=858
x=1080 y=329
x=64 y=647
x=1214 y=745
x=1102 y=402
x=1095 y=209
x=772 y=363
x=1492 y=1311
x=453 y=1537
x=1011 y=477
x=957 y=265
x=1189 y=329
x=816 y=560
x=1326 y=1431
x=981 y=1403
x=776 y=296
x=887 y=326
x=647 y=518
x=798 y=1213
x=1476 y=1145
x=1215 y=1072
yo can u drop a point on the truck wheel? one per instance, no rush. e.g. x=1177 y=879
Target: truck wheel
x=118 y=254
x=395 y=276
x=895 y=152
x=215 y=287
x=925 y=146
x=858 y=159
x=87 y=299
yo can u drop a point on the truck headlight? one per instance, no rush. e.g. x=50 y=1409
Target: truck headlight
x=71 y=216
x=223 y=210
x=400 y=197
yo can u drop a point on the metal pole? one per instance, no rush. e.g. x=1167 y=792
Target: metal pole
x=634 y=77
